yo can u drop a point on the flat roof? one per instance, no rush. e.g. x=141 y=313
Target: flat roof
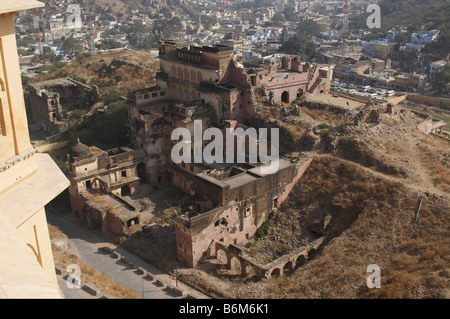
x=17 y=5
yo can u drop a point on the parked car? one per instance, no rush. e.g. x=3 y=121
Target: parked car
x=390 y=93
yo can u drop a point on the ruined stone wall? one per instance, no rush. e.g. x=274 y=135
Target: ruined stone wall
x=184 y=244
x=182 y=181
x=300 y=171
x=46 y=112
x=210 y=188
x=240 y=104
x=113 y=224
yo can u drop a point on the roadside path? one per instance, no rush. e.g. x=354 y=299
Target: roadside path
x=86 y=244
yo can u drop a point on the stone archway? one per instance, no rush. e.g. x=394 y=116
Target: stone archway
x=235 y=265
x=275 y=273
x=132 y=221
x=300 y=261
x=285 y=97
x=249 y=271
x=288 y=267
x=221 y=257
x=300 y=93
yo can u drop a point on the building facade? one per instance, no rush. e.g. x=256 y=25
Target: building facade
x=28 y=181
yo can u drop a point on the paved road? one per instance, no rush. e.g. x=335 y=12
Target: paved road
x=86 y=242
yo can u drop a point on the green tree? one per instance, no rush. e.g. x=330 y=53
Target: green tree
x=442 y=79
x=290 y=14
x=167 y=12
x=112 y=97
x=49 y=54
x=309 y=27
x=71 y=46
x=167 y=28
x=300 y=45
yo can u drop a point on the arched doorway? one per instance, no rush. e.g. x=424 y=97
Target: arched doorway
x=285 y=97
x=125 y=190
x=299 y=93
x=275 y=273
x=132 y=221
x=221 y=257
x=300 y=261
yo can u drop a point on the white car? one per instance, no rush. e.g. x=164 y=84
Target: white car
x=381 y=92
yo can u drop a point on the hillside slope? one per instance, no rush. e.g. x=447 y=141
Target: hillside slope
x=121 y=71
x=370 y=171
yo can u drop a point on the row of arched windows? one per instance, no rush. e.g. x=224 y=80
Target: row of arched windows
x=185 y=74
x=185 y=93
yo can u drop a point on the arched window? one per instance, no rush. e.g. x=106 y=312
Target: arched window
x=193 y=77
x=186 y=75
x=173 y=71
x=180 y=92
x=180 y=73
x=187 y=95
x=199 y=77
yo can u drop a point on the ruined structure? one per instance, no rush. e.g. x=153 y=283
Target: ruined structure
x=206 y=84
x=49 y=98
x=293 y=79
x=231 y=205
x=98 y=181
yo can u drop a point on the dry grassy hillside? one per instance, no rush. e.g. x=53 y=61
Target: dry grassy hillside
x=372 y=222
x=121 y=71
x=367 y=178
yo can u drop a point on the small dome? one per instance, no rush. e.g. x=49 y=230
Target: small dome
x=79 y=149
